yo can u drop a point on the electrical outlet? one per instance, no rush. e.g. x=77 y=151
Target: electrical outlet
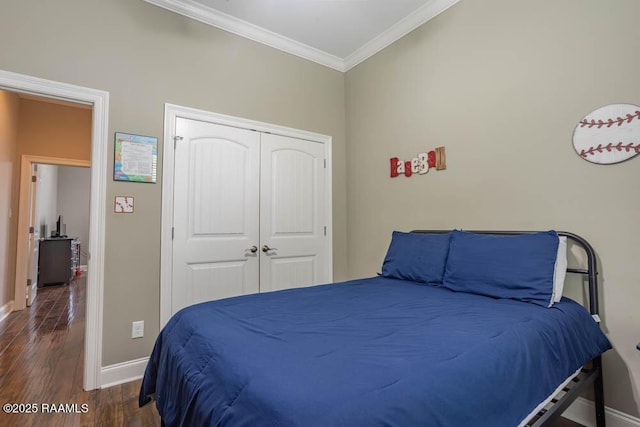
x=137 y=329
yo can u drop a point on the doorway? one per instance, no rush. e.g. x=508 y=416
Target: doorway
x=260 y=228
x=99 y=102
x=56 y=192
x=249 y=213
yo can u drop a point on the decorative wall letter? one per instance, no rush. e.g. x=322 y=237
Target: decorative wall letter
x=420 y=164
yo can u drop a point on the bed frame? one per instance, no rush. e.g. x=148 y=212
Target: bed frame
x=589 y=374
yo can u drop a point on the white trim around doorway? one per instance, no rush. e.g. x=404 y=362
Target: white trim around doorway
x=5 y=310
x=99 y=100
x=171 y=112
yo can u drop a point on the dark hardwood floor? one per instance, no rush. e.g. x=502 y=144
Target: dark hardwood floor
x=41 y=362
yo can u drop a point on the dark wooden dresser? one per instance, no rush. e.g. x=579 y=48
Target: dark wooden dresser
x=55 y=261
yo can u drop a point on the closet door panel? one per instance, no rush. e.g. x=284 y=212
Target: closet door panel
x=216 y=208
x=292 y=213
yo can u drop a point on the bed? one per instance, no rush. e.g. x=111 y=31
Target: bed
x=421 y=344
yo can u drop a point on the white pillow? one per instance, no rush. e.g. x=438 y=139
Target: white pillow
x=560 y=270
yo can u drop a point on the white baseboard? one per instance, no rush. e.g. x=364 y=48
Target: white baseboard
x=582 y=411
x=5 y=310
x=124 y=372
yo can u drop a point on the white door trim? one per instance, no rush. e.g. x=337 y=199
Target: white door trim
x=171 y=112
x=99 y=148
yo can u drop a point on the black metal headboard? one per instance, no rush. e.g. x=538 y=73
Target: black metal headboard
x=592 y=269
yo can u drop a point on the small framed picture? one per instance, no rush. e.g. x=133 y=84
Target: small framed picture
x=123 y=204
x=135 y=158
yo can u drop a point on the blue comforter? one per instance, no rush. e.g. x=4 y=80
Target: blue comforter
x=368 y=352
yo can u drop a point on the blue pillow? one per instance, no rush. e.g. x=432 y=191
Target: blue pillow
x=417 y=256
x=519 y=267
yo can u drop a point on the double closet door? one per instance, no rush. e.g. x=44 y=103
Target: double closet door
x=249 y=213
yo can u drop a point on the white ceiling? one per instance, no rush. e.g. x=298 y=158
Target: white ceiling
x=337 y=33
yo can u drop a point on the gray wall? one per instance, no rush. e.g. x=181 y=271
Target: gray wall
x=74 y=191
x=47 y=199
x=145 y=56
x=502 y=84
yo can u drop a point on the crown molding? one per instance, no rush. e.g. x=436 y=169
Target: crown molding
x=215 y=18
x=245 y=29
x=402 y=28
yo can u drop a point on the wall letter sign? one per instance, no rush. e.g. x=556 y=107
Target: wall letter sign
x=420 y=164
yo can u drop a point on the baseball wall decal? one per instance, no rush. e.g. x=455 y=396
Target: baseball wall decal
x=123 y=204
x=608 y=135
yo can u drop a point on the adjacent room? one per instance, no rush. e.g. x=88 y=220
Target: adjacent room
x=228 y=156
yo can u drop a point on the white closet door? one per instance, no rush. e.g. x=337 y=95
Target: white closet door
x=292 y=213
x=216 y=211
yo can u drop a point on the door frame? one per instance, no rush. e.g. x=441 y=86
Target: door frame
x=99 y=100
x=24 y=210
x=32 y=263
x=171 y=113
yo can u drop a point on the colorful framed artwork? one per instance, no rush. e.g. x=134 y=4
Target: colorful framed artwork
x=135 y=158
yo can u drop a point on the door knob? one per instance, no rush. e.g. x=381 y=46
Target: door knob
x=266 y=248
x=253 y=249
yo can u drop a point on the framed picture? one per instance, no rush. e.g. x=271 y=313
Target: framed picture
x=135 y=158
